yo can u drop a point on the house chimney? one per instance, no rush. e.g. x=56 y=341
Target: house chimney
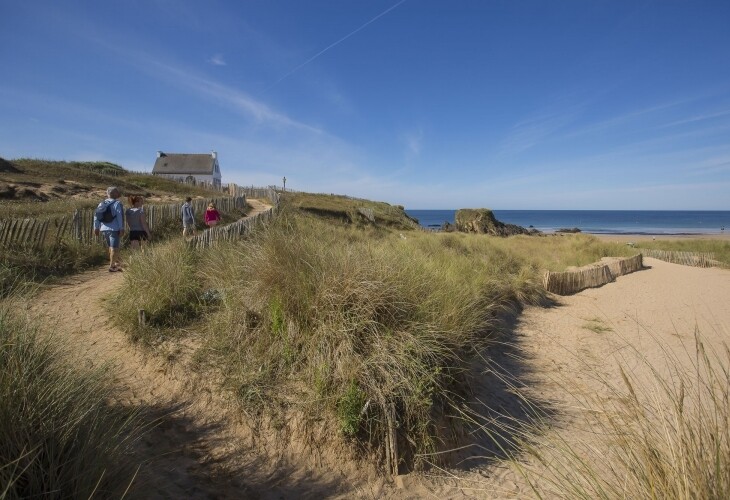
x=213 y=155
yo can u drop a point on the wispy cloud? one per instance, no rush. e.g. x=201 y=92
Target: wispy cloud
x=414 y=142
x=332 y=45
x=217 y=60
x=540 y=127
x=191 y=80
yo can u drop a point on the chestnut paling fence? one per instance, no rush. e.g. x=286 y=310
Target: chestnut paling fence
x=570 y=282
x=696 y=259
x=240 y=228
x=37 y=233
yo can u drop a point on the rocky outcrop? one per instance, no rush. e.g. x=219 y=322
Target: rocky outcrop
x=482 y=221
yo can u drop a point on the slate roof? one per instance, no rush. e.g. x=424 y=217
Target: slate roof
x=176 y=163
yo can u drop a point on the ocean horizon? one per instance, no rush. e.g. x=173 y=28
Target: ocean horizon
x=650 y=222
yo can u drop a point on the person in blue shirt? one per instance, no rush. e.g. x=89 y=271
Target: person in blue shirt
x=188 y=217
x=114 y=230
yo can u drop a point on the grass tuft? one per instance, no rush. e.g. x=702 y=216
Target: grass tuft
x=161 y=282
x=59 y=435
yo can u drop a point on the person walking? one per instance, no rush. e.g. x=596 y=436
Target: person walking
x=212 y=216
x=139 y=231
x=109 y=221
x=188 y=217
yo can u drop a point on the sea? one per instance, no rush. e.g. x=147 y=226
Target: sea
x=651 y=222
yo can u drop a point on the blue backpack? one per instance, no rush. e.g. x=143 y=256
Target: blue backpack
x=104 y=212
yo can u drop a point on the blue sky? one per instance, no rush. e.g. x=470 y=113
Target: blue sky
x=584 y=104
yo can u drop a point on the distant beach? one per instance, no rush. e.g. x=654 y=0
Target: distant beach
x=649 y=223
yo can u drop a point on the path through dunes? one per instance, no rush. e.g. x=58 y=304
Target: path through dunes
x=202 y=448
x=197 y=446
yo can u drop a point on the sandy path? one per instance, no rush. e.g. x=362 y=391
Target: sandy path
x=199 y=444
x=196 y=447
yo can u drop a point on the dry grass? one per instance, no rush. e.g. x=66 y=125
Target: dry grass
x=37 y=265
x=60 y=437
x=667 y=436
x=351 y=210
x=365 y=323
x=349 y=324
x=163 y=283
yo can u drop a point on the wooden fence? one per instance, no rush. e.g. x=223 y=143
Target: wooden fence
x=696 y=259
x=241 y=228
x=35 y=233
x=570 y=282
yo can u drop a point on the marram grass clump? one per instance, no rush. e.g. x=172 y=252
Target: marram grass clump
x=60 y=437
x=367 y=330
x=162 y=282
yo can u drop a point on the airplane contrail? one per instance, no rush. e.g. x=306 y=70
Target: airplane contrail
x=315 y=56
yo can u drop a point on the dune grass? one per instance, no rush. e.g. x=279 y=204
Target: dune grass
x=60 y=437
x=658 y=436
x=351 y=210
x=347 y=325
x=20 y=265
x=162 y=282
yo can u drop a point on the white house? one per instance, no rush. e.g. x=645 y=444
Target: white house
x=192 y=168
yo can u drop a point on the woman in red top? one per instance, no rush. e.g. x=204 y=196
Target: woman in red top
x=212 y=216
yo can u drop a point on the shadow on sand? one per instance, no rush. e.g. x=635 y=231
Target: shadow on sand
x=176 y=461
x=502 y=406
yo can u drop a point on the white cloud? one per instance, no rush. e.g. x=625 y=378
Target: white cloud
x=217 y=60
x=414 y=142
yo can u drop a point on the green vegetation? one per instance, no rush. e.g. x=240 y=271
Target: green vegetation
x=60 y=437
x=19 y=264
x=351 y=210
x=35 y=265
x=346 y=323
x=333 y=314
x=721 y=248
x=162 y=283
x=596 y=325
x=63 y=186
x=552 y=252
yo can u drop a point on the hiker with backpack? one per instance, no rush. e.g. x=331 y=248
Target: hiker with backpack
x=109 y=221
